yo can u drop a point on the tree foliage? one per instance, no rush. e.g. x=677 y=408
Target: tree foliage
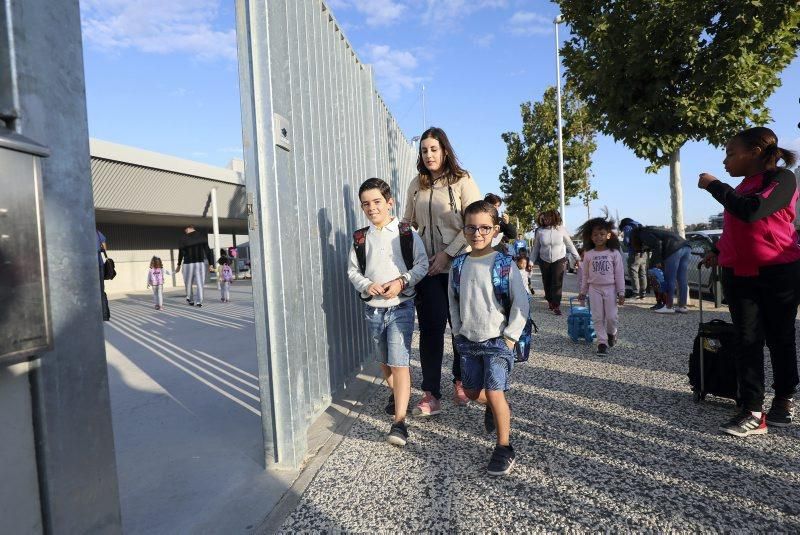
x=656 y=74
x=530 y=180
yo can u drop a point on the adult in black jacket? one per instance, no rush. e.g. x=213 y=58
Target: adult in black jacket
x=193 y=253
x=673 y=253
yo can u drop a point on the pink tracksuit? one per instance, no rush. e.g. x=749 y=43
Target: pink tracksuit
x=603 y=277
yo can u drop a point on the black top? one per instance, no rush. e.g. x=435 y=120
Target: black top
x=662 y=242
x=508 y=230
x=194 y=248
x=752 y=207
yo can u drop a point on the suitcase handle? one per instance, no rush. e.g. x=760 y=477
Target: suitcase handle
x=571 y=306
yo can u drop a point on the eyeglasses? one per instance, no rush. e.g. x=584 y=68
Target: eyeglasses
x=485 y=230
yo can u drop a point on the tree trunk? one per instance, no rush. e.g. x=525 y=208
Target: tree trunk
x=676 y=192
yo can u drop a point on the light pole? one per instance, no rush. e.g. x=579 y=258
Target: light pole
x=556 y=22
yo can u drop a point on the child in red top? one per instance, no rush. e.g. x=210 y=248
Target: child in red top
x=602 y=279
x=760 y=275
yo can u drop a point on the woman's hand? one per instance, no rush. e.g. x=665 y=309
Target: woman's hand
x=438 y=263
x=705 y=179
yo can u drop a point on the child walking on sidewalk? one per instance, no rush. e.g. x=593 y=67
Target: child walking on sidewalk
x=386 y=261
x=486 y=331
x=224 y=278
x=155 y=280
x=603 y=279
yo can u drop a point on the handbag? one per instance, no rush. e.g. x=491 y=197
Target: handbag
x=109 y=272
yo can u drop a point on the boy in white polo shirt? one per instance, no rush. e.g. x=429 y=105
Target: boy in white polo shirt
x=386 y=261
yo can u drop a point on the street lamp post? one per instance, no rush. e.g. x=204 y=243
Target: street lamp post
x=556 y=22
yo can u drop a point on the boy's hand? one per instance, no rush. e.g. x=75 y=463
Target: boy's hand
x=375 y=289
x=710 y=260
x=620 y=300
x=392 y=289
x=582 y=300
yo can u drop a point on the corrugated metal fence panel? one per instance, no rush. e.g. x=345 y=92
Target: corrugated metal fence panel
x=295 y=62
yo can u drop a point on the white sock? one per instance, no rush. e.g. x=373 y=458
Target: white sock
x=756 y=414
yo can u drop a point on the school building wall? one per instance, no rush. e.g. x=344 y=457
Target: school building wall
x=133 y=246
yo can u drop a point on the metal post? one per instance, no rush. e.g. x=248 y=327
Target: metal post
x=424 y=114
x=215 y=223
x=556 y=22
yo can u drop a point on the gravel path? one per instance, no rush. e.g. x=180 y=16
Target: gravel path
x=603 y=443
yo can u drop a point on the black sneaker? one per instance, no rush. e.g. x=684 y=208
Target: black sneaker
x=602 y=349
x=488 y=420
x=780 y=413
x=189 y=302
x=198 y=305
x=389 y=409
x=640 y=297
x=657 y=306
x=502 y=460
x=612 y=339
x=745 y=424
x=398 y=434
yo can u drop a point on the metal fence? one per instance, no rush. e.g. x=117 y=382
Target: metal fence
x=314 y=129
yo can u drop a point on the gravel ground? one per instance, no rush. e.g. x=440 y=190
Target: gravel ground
x=603 y=443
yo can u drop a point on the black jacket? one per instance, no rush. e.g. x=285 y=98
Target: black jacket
x=661 y=242
x=508 y=230
x=194 y=248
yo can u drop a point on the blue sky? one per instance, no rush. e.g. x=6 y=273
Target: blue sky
x=163 y=76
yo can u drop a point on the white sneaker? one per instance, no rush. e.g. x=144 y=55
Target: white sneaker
x=664 y=310
x=681 y=310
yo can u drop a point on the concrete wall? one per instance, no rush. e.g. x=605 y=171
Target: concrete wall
x=61 y=398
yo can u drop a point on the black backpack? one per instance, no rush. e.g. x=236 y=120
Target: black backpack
x=406 y=246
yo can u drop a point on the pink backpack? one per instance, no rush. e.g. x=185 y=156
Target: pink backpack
x=156 y=277
x=227 y=273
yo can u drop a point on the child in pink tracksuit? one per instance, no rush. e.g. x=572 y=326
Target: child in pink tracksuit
x=602 y=279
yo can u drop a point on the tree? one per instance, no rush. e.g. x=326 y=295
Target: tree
x=658 y=74
x=530 y=180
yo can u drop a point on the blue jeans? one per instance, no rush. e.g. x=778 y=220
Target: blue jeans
x=675 y=267
x=390 y=330
x=485 y=365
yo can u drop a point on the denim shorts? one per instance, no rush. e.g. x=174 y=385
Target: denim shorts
x=390 y=331
x=486 y=364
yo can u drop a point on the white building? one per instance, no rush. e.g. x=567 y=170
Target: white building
x=143 y=200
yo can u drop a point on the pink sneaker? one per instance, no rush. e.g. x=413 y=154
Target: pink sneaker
x=428 y=406
x=459 y=396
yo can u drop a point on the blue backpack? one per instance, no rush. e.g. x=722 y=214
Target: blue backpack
x=501 y=271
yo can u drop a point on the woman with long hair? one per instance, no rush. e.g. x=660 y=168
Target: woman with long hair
x=551 y=244
x=434 y=206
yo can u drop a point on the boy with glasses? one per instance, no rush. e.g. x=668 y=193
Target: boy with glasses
x=485 y=331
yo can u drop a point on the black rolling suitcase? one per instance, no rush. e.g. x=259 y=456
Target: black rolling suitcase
x=712 y=368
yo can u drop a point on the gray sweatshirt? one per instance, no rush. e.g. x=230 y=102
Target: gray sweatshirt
x=385 y=263
x=477 y=315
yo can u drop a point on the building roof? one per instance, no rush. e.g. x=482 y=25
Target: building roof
x=145 y=158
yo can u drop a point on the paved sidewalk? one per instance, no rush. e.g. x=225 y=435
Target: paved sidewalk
x=603 y=443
